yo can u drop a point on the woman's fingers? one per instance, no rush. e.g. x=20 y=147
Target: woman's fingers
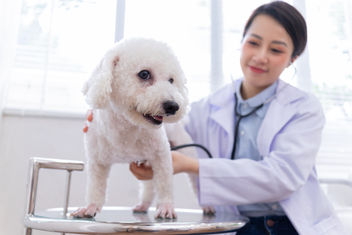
x=141 y=171
x=89 y=119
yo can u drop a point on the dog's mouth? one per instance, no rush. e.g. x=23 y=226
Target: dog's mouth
x=157 y=119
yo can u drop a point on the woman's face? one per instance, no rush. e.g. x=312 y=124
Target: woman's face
x=266 y=51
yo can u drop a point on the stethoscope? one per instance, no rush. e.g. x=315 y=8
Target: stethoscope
x=238 y=117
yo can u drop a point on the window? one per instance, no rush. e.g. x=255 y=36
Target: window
x=185 y=26
x=330 y=52
x=58 y=44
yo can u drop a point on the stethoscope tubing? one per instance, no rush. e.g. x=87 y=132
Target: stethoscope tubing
x=238 y=118
x=192 y=145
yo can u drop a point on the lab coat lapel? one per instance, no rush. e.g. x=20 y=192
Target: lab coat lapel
x=222 y=112
x=278 y=114
x=224 y=116
x=223 y=125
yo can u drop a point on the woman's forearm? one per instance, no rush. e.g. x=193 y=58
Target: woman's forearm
x=182 y=163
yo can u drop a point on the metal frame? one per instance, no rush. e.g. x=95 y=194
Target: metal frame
x=35 y=165
x=115 y=220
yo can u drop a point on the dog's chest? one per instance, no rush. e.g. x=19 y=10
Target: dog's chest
x=139 y=148
x=131 y=144
x=127 y=151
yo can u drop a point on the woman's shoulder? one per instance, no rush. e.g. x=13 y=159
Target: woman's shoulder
x=290 y=95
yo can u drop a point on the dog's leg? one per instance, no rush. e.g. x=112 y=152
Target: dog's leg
x=146 y=196
x=96 y=189
x=163 y=182
x=178 y=136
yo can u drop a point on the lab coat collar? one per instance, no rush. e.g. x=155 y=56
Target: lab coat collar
x=283 y=94
x=222 y=102
x=263 y=97
x=286 y=94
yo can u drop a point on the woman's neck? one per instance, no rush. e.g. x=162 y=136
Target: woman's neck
x=248 y=91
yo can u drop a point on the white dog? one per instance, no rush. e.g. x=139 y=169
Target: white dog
x=138 y=86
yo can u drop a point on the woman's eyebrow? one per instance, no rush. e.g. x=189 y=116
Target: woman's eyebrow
x=280 y=43
x=274 y=42
x=256 y=36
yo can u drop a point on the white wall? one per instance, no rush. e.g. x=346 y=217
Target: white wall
x=23 y=137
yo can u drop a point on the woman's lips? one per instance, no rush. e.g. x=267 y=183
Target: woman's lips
x=256 y=70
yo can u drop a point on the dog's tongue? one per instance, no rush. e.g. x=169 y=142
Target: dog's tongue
x=158 y=117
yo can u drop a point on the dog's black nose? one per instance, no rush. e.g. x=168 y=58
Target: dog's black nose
x=170 y=107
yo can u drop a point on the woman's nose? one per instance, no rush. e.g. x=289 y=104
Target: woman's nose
x=261 y=56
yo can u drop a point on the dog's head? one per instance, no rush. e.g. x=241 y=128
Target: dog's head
x=140 y=79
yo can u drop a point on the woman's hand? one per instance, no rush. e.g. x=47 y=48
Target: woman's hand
x=180 y=163
x=141 y=171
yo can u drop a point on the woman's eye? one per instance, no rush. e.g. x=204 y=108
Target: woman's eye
x=144 y=74
x=253 y=43
x=276 y=51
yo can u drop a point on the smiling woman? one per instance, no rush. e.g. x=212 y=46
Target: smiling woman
x=267 y=50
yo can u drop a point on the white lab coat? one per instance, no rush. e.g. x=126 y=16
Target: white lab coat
x=288 y=140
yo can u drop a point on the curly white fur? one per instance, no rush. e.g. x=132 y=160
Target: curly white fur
x=129 y=112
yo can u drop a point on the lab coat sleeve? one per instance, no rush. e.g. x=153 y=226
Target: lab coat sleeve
x=286 y=167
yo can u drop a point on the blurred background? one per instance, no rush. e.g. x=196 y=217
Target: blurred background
x=48 y=48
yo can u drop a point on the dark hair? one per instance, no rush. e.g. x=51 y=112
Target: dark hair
x=289 y=17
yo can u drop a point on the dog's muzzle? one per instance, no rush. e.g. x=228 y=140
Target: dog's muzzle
x=170 y=108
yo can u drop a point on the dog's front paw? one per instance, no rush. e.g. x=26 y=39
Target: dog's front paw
x=165 y=211
x=142 y=207
x=86 y=212
x=208 y=210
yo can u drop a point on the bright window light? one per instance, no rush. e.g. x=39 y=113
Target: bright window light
x=59 y=42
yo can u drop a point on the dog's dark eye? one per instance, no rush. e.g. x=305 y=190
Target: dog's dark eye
x=171 y=80
x=144 y=74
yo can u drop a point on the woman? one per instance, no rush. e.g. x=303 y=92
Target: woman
x=264 y=135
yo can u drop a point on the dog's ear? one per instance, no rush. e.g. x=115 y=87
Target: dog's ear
x=98 y=87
